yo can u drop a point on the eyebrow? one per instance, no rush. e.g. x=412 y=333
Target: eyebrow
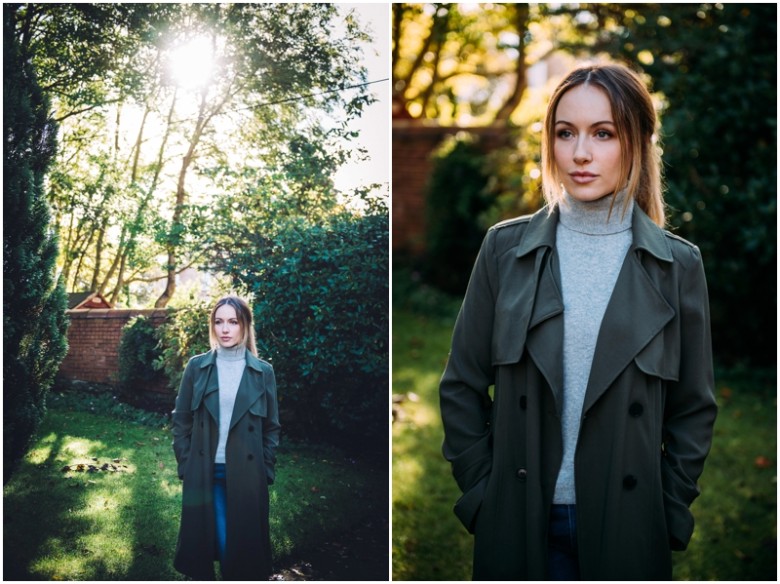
x=593 y=125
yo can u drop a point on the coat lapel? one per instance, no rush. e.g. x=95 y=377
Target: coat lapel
x=636 y=312
x=209 y=391
x=250 y=388
x=544 y=339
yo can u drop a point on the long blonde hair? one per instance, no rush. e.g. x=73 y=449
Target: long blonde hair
x=244 y=317
x=635 y=122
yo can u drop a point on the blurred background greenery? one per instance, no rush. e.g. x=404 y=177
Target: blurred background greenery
x=712 y=69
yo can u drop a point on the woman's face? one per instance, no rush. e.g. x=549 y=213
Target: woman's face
x=227 y=327
x=586 y=148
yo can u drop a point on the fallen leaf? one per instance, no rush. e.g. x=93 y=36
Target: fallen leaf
x=763 y=462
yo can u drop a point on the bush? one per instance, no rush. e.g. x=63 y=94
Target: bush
x=137 y=352
x=321 y=310
x=456 y=199
x=183 y=335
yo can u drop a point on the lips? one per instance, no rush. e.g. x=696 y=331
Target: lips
x=583 y=177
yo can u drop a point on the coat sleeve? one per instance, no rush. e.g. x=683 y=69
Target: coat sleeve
x=463 y=392
x=271 y=427
x=182 y=419
x=690 y=408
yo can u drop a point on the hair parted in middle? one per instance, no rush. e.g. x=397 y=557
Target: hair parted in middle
x=244 y=316
x=635 y=122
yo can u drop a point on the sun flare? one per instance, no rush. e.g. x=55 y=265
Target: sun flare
x=191 y=64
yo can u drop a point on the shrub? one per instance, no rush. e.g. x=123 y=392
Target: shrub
x=455 y=200
x=321 y=311
x=184 y=334
x=137 y=352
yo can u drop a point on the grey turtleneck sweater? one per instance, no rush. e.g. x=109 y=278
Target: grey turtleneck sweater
x=591 y=250
x=230 y=367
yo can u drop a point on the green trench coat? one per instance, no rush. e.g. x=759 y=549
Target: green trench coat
x=647 y=418
x=249 y=458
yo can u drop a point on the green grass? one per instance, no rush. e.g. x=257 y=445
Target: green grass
x=735 y=536
x=69 y=525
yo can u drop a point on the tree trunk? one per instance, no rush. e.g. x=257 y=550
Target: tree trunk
x=511 y=103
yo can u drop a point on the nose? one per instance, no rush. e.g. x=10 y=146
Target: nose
x=582 y=151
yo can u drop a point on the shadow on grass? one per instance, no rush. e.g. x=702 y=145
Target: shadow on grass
x=64 y=524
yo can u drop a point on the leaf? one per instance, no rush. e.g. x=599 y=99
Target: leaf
x=763 y=462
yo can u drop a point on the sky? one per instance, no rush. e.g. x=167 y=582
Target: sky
x=374 y=125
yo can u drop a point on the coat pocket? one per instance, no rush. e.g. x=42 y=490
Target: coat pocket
x=467 y=507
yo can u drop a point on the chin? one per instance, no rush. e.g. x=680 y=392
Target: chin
x=587 y=195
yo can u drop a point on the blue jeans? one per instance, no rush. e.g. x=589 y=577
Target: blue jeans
x=220 y=509
x=563 y=560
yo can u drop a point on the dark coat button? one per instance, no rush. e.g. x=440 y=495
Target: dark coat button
x=201 y=452
x=635 y=410
x=523 y=402
x=629 y=482
x=251 y=428
x=521 y=474
x=251 y=457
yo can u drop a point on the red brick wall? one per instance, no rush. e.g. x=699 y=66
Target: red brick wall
x=413 y=144
x=93 y=339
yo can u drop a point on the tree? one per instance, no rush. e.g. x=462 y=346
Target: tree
x=453 y=62
x=34 y=322
x=134 y=181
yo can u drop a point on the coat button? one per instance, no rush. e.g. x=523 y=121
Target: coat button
x=629 y=482
x=251 y=457
x=251 y=428
x=635 y=410
x=201 y=452
x=521 y=474
x=523 y=402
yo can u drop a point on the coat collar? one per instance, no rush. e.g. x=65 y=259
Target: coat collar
x=210 y=359
x=542 y=227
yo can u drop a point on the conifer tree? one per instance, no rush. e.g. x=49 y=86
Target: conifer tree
x=34 y=321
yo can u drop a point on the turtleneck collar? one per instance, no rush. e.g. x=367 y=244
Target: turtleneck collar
x=593 y=217
x=236 y=353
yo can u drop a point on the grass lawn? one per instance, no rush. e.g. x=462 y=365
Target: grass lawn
x=121 y=523
x=735 y=536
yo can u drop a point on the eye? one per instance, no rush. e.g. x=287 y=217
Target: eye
x=564 y=134
x=603 y=134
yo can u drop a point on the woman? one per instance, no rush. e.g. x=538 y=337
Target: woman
x=225 y=434
x=592 y=325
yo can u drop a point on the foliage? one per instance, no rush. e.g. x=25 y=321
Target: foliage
x=34 y=322
x=459 y=63
x=736 y=514
x=122 y=526
x=129 y=185
x=137 y=352
x=184 y=334
x=320 y=289
x=455 y=200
